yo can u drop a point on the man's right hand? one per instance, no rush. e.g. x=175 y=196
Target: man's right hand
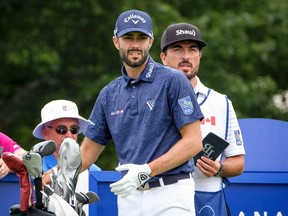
x=46 y=177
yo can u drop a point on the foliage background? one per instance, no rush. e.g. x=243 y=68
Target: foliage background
x=63 y=49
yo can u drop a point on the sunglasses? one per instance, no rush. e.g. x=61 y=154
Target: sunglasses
x=62 y=129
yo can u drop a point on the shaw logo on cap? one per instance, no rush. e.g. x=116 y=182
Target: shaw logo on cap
x=133 y=17
x=181 y=32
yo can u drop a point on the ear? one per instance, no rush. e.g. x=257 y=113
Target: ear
x=151 y=42
x=163 y=58
x=44 y=132
x=116 y=41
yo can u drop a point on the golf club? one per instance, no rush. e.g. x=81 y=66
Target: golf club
x=44 y=148
x=71 y=191
x=69 y=165
x=80 y=198
x=16 y=165
x=83 y=199
x=47 y=192
x=93 y=197
x=33 y=163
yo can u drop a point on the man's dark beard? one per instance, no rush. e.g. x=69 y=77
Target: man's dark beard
x=191 y=76
x=125 y=59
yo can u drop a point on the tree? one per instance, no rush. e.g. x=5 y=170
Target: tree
x=63 y=49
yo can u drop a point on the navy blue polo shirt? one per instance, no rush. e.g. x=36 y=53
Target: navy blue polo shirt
x=143 y=116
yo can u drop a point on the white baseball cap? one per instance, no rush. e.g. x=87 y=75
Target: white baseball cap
x=57 y=109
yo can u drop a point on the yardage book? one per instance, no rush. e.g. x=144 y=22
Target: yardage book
x=213 y=146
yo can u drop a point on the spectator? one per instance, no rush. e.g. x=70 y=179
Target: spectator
x=60 y=120
x=8 y=145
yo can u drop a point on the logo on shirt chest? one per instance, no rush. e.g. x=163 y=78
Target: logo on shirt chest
x=117 y=112
x=150 y=104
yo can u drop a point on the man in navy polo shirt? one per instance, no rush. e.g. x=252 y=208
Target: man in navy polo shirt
x=152 y=116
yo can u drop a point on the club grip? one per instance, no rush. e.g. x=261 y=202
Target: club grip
x=38 y=187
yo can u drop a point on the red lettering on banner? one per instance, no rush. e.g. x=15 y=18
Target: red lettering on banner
x=211 y=120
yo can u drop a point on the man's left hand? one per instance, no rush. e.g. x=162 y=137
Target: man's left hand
x=136 y=176
x=4 y=170
x=207 y=166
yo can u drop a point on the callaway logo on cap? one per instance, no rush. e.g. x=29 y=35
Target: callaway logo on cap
x=133 y=21
x=179 y=32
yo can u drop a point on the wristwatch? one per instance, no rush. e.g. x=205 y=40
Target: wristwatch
x=220 y=171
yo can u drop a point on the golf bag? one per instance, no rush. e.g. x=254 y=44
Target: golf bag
x=32 y=211
x=59 y=200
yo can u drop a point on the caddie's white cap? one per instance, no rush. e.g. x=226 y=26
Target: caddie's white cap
x=57 y=109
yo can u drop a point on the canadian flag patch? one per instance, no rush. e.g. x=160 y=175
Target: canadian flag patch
x=209 y=120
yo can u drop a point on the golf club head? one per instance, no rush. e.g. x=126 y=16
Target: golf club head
x=44 y=148
x=46 y=193
x=81 y=197
x=69 y=157
x=16 y=165
x=33 y=163
x=59 y=189
x=48 y=190
x=93 y=197
x=69 y=165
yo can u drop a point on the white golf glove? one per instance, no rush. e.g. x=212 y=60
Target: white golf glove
x=136 y=176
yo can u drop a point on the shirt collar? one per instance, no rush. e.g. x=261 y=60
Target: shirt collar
x=200 y=88
x=146 y=75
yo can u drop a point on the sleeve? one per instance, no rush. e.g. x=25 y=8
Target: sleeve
x=185 y=108
x=8 y=144
x=97 y=128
